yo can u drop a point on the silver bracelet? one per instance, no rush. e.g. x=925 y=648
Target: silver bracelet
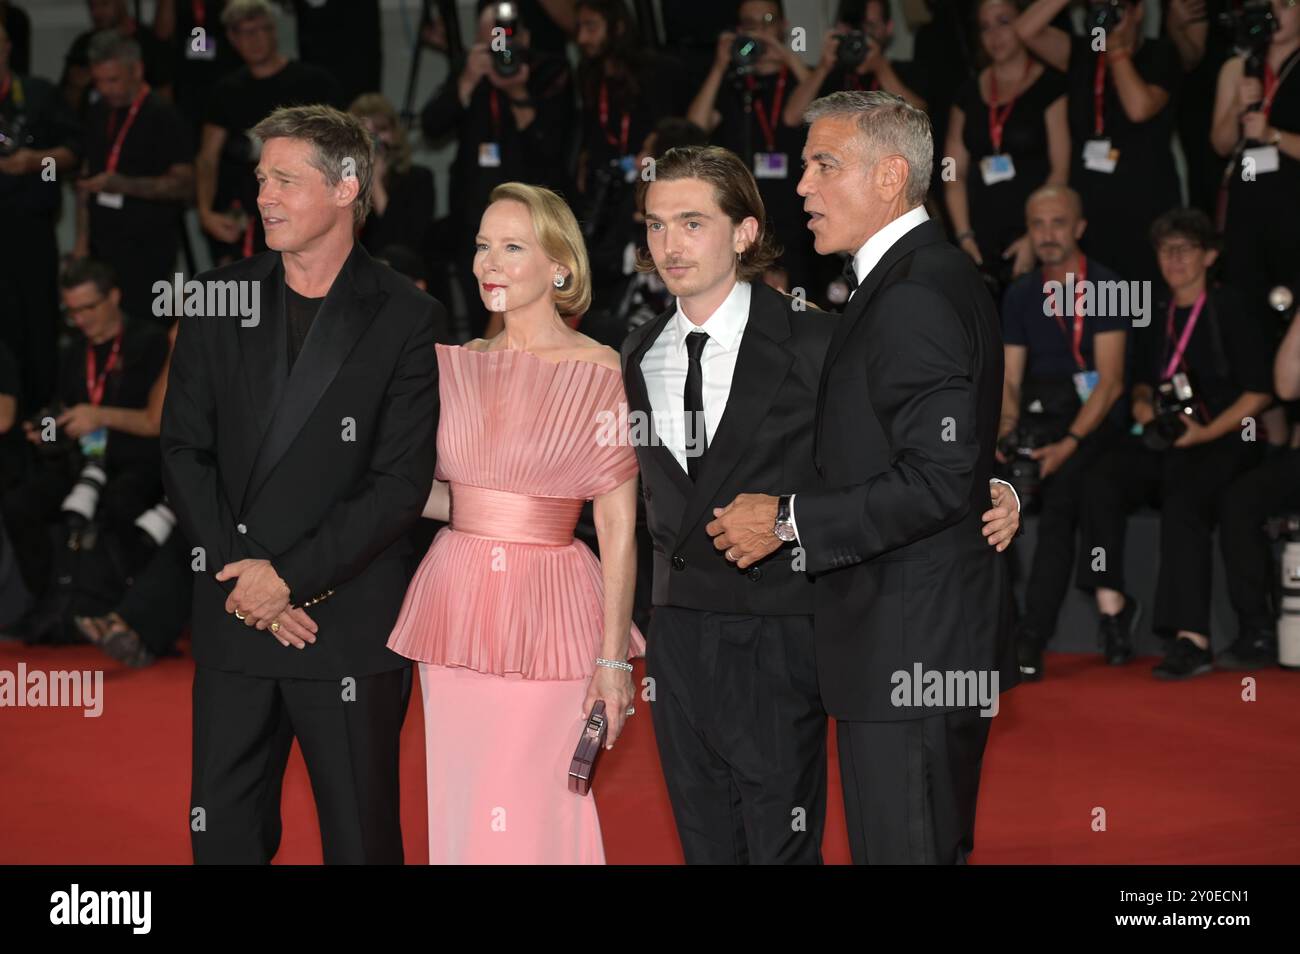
x=614 y=664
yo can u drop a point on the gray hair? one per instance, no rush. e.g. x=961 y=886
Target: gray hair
x=109 y=45
x=887 y=125
x=341 y=145
x=237 y=11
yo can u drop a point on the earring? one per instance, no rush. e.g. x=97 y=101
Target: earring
x=558 y=281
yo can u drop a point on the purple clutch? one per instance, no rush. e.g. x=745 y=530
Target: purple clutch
x=590 y=744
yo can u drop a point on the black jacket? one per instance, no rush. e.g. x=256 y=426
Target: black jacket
x=321 y=471
x=907 y=416
x=763 y=444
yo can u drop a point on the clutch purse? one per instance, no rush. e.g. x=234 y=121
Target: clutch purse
x=590 y=742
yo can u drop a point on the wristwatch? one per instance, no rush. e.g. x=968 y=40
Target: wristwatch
x=784 y=528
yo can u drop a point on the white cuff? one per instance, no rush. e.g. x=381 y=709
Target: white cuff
x=792 y=523
x=999 y=480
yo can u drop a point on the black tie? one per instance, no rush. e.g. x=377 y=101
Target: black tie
x=697 y=440
x=850 y=276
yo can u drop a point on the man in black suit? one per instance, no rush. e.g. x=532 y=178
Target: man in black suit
x=298 y=447
x=912 y=628
x=728 y=380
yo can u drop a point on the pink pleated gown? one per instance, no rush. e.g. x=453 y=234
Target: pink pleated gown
x=505 y=614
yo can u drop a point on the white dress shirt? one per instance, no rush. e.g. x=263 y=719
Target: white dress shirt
x=867 y=258
x=665 y=363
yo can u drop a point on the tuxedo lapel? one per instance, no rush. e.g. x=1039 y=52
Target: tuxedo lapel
x=761 y=367
x=639 y=400
x=926 y=233
x=344 y=315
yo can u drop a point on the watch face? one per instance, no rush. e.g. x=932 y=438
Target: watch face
x=784 y=532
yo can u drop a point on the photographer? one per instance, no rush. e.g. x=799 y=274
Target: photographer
x=112 y=15
x=91 y=470
x=136 y=178
x=1201 y=375
x=1257 y=123
x=39 y=139
x=512 y=114
x=402 y=195
x=1121 y=122
x=1269 y=490
x=853 y=57
x=741 y=104
x=1062 y=378
x=226 y=192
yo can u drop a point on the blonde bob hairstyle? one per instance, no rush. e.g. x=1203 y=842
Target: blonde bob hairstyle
x=561 y=241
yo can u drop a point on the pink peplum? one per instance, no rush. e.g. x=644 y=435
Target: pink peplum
x=506 y=589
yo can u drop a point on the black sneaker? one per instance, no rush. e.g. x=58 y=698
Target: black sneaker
x=1183 y=661
x=1029 y=653
x=1255 y=649
x=1115 y=633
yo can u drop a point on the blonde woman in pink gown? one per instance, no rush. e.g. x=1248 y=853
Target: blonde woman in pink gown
x=507 y=614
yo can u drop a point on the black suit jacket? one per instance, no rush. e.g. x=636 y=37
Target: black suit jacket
x=763 y=444
x=320 y=471
x=907 y=416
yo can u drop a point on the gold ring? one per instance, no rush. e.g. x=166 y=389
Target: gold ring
x=275 y=627
x=239 y=616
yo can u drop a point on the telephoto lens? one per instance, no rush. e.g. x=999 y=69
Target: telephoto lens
x=82 y=500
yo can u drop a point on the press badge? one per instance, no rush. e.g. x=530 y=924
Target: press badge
x=771 y=165
x=1265 y=159
x=1098 y=156
x=109 y=200
x=489 y=155
x=997 y=169
x=1084 y=384
x=94 y=444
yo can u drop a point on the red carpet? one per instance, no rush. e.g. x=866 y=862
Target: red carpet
x=1185 y=773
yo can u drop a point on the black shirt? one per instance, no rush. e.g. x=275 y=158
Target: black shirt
x=155 y=56
x=140 y=362
x=34 y=110
x=1228 y=353
x=1048 y=341
x=155 y=141
x=300 y=312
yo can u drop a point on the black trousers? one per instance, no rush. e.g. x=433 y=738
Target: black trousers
x=1268 y=490
x=1062 y=499
x=158 y=604
x=910 y=787
x=1189 y=485
x=243 y=728
x=741 y=733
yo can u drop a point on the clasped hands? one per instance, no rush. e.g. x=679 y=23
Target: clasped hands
x=261 y=599
x=743 y=529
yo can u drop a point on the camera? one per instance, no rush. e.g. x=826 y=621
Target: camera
x=853 y=49
x=506 y=60
x=61 y=444
x=1175 y=402
x=1023 y=472
x=1252 y=25
x=745 y=53
x=13 y=135
x=1103 y=14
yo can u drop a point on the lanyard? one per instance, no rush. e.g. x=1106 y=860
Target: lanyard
x=621 y=142
x=94 y=383
x=1076 y=340
x=1271 y=81
x=200 y=13
x=1186 y=336
x=495 y=106
x=4 y=90
x=115 y=153
x=1099 y=96
x=856 y=80
x=768 y=126
x=998 y=118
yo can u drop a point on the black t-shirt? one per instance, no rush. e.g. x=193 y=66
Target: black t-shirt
x=240 y=101
x=196 y=71
x=408 y=217
x=343 y=36
x=154 y=54
x=35 y=112
x=1229 y=351
x=655 y=94
x=140 y=361
x=154 y=142
x=745 y=136
x=1048 y=339
x=300 y=313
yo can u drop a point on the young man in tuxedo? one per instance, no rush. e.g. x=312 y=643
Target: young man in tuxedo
x=298 y=447
x=727 y=381
x=906 y=419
